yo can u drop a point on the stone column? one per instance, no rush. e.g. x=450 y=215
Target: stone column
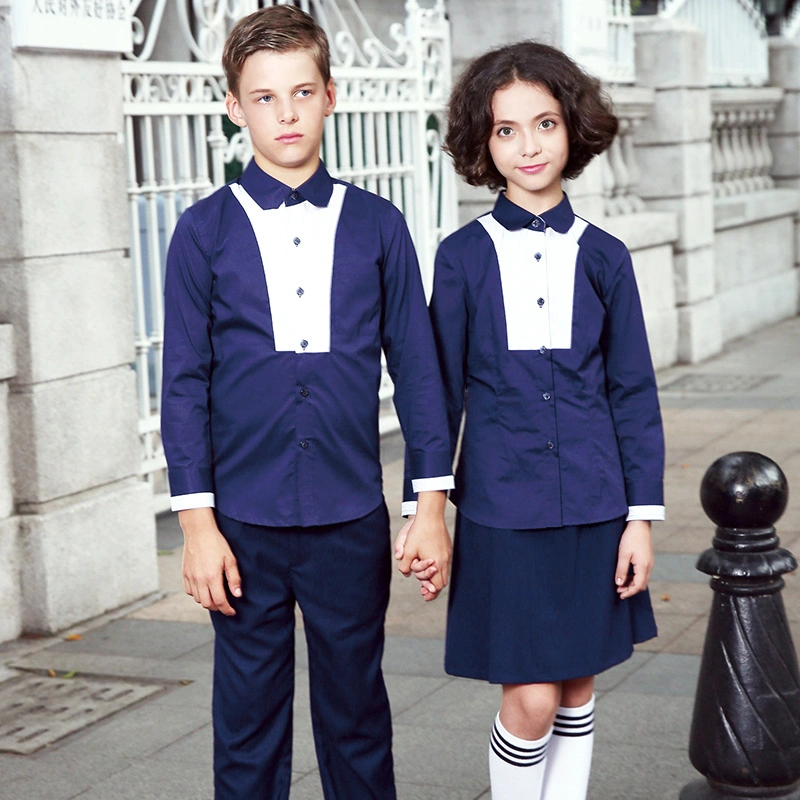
x=673 y=150
x=85 y=520
x=784 y=134
x=11 y=618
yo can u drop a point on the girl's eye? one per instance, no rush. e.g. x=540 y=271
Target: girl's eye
x=505 y=131
x=547 y=124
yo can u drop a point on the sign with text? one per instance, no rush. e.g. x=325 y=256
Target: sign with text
x=100 y=25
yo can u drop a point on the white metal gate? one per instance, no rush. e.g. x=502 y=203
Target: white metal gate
x=384 y=136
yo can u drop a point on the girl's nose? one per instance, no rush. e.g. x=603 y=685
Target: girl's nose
x=530 y=145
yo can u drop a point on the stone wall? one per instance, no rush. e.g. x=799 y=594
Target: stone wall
x=84 y=526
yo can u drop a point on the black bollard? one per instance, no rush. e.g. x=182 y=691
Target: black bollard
x=745 y=735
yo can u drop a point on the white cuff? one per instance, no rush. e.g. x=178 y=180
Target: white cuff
x=408 y=508
x=184 y=502
x=439 y=484
x=647 y=513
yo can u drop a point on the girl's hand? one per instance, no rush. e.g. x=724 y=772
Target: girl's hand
x=635 y=550
x=423 y=570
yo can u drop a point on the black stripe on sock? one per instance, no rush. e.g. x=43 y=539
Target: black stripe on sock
x=574 y=719
x=516 y=763
x=572 y=733
x=524 y=757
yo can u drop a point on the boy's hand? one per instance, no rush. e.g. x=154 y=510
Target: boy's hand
x=635 y=550
x=207 y=557
x=425 y=540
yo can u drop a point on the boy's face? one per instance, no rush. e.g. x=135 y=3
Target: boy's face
x=529 y=144
x=283 y=100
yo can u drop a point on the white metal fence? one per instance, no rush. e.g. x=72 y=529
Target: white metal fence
x=736 y=38
x=385 y=136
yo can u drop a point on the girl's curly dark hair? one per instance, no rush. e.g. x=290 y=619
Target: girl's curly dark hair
x=590 y=120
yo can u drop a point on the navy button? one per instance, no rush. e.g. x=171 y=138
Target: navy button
x=304 y=392
x=537 y=256
x=542 y=349
x=550 y=445
x=540 y=301
x=296 y=240
x=304 y=344
x=300 y=291
x=304 y=444
x=546 y=396
x=294 y=196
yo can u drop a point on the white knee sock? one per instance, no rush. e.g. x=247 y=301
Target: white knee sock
x=516 y=766
x=569 y=756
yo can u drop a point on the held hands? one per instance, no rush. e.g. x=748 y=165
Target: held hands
x=635 y=550
x=207 y=558
x=423 y=545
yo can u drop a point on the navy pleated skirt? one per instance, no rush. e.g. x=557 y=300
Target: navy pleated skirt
x=536 y=606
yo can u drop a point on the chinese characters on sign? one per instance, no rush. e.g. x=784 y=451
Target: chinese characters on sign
x=103 y=25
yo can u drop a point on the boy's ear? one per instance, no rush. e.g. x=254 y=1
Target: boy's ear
x=330 y=97
x=234 y=110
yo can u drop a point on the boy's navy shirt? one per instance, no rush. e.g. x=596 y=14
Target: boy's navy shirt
x=540 y=333
x=281 y=437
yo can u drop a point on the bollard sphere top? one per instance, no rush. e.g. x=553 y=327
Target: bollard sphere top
x=744 y=490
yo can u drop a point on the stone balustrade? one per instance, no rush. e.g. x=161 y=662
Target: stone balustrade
x=620 y=170
x=741 y=155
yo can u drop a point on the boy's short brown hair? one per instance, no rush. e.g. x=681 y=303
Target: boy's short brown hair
x=588 y=115
x=280 y=29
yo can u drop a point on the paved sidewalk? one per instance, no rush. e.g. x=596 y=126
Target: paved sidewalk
x=159 y=747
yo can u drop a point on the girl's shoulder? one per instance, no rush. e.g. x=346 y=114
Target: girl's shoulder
x=601 y=246
x=463 y=241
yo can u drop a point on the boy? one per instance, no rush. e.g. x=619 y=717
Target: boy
x=281 y=289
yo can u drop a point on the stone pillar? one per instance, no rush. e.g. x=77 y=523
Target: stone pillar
x=673 y=150
x=11 y=618
x=784 y=134
x=85 y=520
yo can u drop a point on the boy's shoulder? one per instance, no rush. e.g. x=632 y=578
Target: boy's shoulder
x=369 y=203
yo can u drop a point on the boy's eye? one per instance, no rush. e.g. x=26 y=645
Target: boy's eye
x=265 y=98
x=304 y=93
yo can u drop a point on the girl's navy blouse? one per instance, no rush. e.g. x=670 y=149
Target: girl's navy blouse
x=563 y=436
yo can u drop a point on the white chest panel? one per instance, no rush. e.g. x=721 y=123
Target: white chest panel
x=296 y=244
x=537 y=273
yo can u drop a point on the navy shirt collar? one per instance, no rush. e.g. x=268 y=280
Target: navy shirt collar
x=513 y=217
x=269 y=192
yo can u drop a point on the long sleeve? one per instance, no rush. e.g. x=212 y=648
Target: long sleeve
x=411 y=357
x=632 y=390
x=448 y=315
x=187 y=363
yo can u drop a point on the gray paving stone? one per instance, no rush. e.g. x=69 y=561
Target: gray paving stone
x=678 y=567
x=622 y=719
x=414 y=656
x=141 y=638
x=607 y=681
x=154 y=781
x=627 y=772
x=459 y=705
x=665 y=674
x=455 y=759
x=407 y=691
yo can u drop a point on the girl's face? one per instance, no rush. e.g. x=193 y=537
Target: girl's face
x=529 y=144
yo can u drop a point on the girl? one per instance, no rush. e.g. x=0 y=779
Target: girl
x=542 y=345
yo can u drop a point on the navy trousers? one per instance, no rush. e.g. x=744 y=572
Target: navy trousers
x=339 y=575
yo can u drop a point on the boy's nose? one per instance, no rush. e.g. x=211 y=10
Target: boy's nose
x=287 y=113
